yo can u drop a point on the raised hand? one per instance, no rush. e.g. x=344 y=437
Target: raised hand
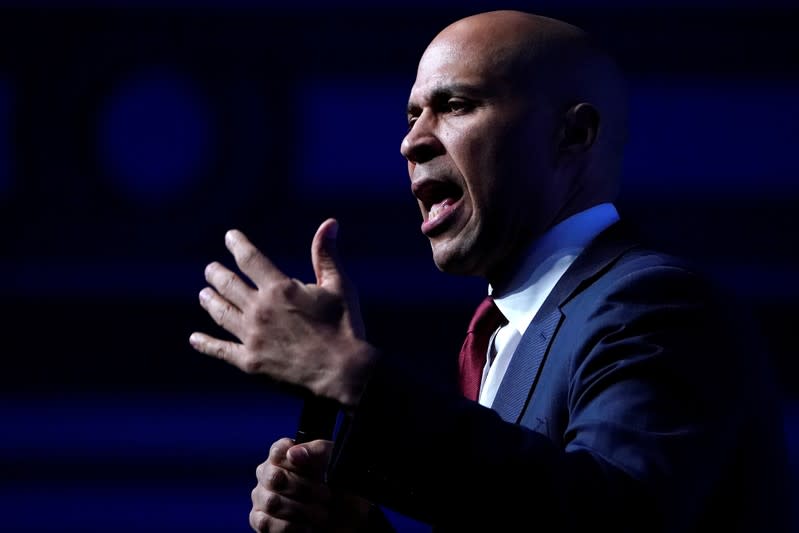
x=309 y=335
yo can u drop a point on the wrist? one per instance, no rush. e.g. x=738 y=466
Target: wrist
x=361 y=365
x=353 y=370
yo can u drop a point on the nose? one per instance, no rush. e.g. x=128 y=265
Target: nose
x=421 y=144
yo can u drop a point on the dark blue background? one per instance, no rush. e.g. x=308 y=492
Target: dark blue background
x=133 y=134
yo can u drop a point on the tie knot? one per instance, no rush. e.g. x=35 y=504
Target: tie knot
x=487 y=317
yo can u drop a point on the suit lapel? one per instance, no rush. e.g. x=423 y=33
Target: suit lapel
x=525 y=366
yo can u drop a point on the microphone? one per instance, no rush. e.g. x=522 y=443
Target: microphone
x=317 y=419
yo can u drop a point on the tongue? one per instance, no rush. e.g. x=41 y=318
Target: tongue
x=439 y=208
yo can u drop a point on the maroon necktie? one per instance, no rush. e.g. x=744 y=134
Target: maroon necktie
x=487 y=318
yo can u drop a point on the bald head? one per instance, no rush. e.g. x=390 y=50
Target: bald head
x=511 y=42
x=558 y=66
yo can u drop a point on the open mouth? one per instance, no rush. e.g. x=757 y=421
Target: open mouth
x=440 y=199
x=434 y=194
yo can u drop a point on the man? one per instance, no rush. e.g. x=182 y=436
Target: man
x=613 y=396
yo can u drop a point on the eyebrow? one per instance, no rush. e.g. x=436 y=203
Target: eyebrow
x=444 y=91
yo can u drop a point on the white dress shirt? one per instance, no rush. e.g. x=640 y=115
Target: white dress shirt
x=521 y=298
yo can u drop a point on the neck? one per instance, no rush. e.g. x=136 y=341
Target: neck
x=571 y=232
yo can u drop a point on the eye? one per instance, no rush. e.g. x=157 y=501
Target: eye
x=411 y=121
x=458 y=105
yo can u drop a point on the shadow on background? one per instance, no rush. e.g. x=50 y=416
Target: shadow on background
x=132 y=136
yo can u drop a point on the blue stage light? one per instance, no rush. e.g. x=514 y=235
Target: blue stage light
x=714 y=135
x=155 y=136
x=349 y=137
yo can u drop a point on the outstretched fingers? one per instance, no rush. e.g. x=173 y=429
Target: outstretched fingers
x=222 y=311
x=251 y=261
x=232 y=352
x=229 y=285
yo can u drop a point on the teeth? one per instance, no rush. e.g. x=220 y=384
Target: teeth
x=438 y=209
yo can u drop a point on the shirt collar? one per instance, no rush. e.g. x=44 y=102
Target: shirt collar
x=547 y=259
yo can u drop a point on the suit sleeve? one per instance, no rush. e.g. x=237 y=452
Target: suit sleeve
x=652 y=406
x=656 y=395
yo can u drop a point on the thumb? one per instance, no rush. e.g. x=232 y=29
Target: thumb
x=311 y=457
x=324 y=256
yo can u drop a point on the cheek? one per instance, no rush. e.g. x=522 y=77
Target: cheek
x=497 y=163
x=479 y=158
x=467 y=142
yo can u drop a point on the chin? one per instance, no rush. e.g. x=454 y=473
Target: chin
x=455 y=262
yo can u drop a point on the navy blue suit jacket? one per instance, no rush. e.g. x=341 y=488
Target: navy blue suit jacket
x=631 y=404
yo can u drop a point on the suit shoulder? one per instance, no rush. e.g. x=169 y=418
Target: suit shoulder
x=641 y=258
x=652 y=272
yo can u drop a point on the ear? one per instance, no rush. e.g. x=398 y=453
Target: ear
x=580 y=128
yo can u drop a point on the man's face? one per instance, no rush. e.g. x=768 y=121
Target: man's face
x=480 y=158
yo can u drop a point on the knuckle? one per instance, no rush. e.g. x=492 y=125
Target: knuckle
x=277 y=479
x=251 y=364
x=259 y=471
x=229 y=281
x=284 y=289
x=264 y=314
x=274 y=449
x=222 y=312
x=253 y=336
x=248 y=255
x=221 y=352
x=272 y=503
x=277 y=452
x=289 y=287
x=259 y=521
